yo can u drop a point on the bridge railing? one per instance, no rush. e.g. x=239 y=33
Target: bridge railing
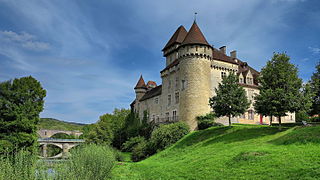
x=60 y=140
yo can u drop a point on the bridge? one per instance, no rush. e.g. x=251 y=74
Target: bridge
x=64 y=144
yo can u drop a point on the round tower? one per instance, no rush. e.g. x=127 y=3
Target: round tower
x=195 y=54
x=140 y=88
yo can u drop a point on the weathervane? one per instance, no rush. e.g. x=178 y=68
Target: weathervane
x=195 y=16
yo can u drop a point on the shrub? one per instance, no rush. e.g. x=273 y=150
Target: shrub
x=141 y=151
x=90 y=162
x=207 y=121
x=131 y=143
x=166 y=135
x=315 y=119
x=302 y=116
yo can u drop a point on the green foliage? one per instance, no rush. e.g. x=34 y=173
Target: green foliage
x=315 y=88
x=302 y=116
x=207 y=121
x=230 y=99
x=89 y=162
x=279 y=88
x=140 y=151
x=131 y=143
x=166 y=135
x=21 y=102
x=108 y=130
x=315 y=119
x=237 y=152
x=17 y=166
x=50 y=123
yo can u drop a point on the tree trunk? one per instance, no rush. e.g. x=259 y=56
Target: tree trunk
x=271 y=120
x=229 y=120
x=279 y=122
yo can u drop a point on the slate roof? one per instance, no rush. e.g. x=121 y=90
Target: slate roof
x=195 y=36
x=177 y=37
x=152 y=93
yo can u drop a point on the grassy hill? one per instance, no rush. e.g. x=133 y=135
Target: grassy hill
x=50 y=123
x=238 y=152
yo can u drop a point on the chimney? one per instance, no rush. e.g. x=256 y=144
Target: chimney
x=223 y=49
x=233 y=54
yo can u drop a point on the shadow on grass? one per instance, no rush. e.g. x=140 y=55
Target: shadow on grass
x=299 y=135
x=237 y=134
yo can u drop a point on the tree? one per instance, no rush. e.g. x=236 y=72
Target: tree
x=21 y=102
x=280 y=88
x=315 y=88
x=230 y=99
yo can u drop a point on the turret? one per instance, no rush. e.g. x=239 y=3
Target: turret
x=140 y=88
x=170 y=50
x=195 y=54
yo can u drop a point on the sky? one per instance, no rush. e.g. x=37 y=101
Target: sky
x=89 y=54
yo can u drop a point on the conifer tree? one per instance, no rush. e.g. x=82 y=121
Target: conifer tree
x=315 y=88
x=280 y=88
x=230 y=99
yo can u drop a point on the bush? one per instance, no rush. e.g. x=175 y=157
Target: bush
x=141 y=151
x=131 y=143
x=19 y=165
x=90 y=162
x=168 y=134
x=302 y=116
x=207 y=121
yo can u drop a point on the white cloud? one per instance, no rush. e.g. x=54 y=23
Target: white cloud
x=314 y=50
x=25 y=40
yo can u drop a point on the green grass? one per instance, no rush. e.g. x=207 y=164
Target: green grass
x=49 y=123
x=237 y=152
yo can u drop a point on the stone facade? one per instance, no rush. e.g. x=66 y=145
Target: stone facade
x=193 y=71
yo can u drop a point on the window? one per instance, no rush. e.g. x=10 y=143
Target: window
x=183 y=84
x=177 y=83
x=169 y=84
x=196 y=48
x=251 y=115
x=167 y=116
x=177 y=97
x=169 y=100
x=223 y=74
x=205 y=49
x=156 y=100
x=174 y=115
x=249 y=80
x=241 y=80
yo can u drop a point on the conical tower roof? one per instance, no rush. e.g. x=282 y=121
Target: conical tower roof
x=177 y=37
x=195 y=36
x=141 y=83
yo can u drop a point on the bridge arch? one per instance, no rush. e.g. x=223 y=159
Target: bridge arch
x=48 y=133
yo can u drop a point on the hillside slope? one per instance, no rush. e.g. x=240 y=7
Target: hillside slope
x=237 y=152
x=50 y=123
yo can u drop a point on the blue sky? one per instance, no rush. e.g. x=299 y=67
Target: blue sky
x=88 y=55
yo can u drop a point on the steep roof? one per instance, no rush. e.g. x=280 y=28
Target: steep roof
x=195 y=36
x=218 y=55
x=141 y=83
x=152 y=93
x=177 y=37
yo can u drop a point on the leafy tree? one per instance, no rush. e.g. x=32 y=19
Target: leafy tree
x=21 y=102
x=315 y=88
x=230 y=99
x=279 y=88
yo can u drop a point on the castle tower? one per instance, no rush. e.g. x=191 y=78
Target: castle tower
x=195 y=54
x=140 y=88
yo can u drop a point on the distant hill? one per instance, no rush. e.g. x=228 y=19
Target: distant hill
x=50 y=123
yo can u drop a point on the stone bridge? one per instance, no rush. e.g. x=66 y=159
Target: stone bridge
x=47 y=133
x=64 y=144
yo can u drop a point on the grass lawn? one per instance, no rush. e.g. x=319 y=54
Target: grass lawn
x=237 y=152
